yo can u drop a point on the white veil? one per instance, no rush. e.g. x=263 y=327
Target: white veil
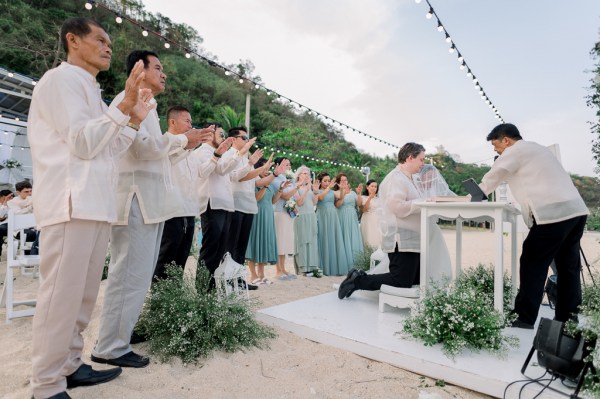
x=431 y=183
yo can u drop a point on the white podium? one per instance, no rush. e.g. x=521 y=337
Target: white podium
x=460 y=211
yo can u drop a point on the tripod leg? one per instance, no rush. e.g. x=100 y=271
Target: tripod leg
x=527 y=360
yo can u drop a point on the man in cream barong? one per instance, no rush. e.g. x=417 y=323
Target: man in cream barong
x=555 y=213
x=75 y=144
x=144 y=202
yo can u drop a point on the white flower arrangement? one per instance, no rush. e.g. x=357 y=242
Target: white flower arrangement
x=12 y=164
x=290 y=207
x=289 y=174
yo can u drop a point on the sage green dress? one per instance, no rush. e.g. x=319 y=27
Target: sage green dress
x=262 y=245
x=305 y=236
x=332 y=252
x=350 y=229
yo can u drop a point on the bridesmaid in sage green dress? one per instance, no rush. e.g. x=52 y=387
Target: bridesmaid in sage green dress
x=332 y=252
x=306 y=257
x=262 y=244
x=347 y=201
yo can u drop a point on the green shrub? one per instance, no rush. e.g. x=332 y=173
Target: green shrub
x=182 y=321
x=363 y=260
x=462 y=315
x=481 y=279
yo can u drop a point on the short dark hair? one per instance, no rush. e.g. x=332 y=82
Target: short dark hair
x=4 y=193
x=504 y=130
x=79 y=27
x=208 y=124
x=260 y=163
x=236 y=131
x=409 y=149
x=175 y=110
x=23 y=185
x=279 y=160
x=137 y=55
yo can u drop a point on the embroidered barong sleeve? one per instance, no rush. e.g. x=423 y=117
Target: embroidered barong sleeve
x=84 y=134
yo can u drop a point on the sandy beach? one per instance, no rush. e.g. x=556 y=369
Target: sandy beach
x=292 y=367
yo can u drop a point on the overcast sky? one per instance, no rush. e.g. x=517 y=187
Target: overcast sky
x=382 y=67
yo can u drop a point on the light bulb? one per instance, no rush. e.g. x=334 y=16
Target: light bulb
x=257 y=86
x=227 y=73
x=460 y=58
x=418 y=1
x=167 y=45
x=268 y=93
x=451 y=49
x=462 y=66
x=88 y=5
x=429 y=14
x=33 y=82
x=10 y=74
x=144 y=33
x=469 y=74
x=188 y=55
x=241 y=80
x=118 y=19
x=448 y=38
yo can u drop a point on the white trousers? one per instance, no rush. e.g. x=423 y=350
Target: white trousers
x=72 y=258
x=134 y=250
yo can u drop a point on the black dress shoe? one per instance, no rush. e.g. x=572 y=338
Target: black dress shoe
x=521 y=324
x=62 y=395
x=130 y=359
x=348 y=287
x=137 y=338
x=86 y=376
x=243 y=284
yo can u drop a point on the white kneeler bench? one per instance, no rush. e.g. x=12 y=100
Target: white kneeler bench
x=397 y=297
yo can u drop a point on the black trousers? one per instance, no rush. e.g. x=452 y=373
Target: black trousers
x=559 y=241
x=239 y=234
x=175 y=244
x=405 y=271
x=215 y=231
x=31 y=234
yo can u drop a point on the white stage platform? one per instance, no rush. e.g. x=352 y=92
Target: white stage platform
x=356 y=325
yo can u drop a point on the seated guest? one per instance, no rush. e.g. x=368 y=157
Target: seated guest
x=23 y=202
x=5 y=196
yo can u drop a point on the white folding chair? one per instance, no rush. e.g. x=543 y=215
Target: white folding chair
x=17 y=259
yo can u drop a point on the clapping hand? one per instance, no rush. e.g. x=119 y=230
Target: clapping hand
x=198 y=136
x=247 y=146
x=224 y=146
x=359 y=189
x=285 y=185
x=137 y=102
x=269 y=163
x=256 y=155
x=279 y=169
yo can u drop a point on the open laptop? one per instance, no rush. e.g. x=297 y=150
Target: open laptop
x=477 y=195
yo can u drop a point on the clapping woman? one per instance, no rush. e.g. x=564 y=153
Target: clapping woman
x=346 y=200
x=305 y=224
x=332 y=252
x=369 y=222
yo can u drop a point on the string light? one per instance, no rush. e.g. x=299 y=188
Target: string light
x=228 y=72
x=118 y=19
x=144 y=33
x=89 y=5
x=461 y=60
x=188 y=55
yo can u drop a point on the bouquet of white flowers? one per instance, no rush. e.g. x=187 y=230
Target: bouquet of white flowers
x=289 y=175
x=290 y=207
x=12 y=164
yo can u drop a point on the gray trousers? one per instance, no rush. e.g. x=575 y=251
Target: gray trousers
x=134 y=250
x=70 y=272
